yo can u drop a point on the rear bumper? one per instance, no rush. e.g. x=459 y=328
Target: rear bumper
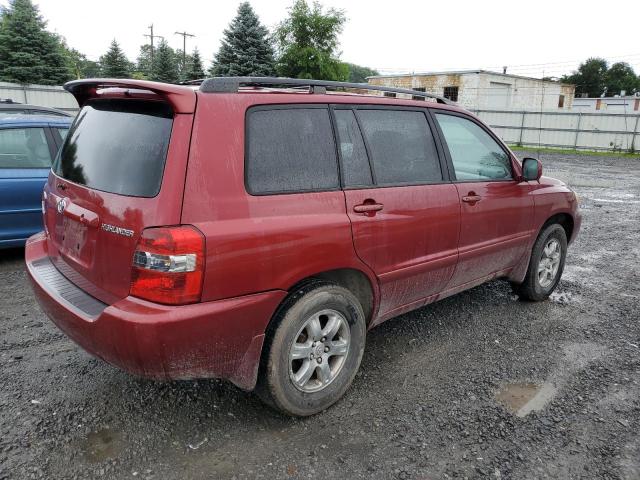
x=221 y=339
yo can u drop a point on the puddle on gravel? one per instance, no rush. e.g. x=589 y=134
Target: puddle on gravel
x=522 y=398
x=103 y=444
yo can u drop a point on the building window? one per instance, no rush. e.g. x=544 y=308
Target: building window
x=390 y=94
x=418 y=97
x=451 y=93
x=561 y=101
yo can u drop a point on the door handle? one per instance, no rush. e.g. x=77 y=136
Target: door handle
x=368 y=208
x=472 y=199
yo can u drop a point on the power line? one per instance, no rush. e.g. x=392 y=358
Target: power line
x=184 y=47
x=151 y=37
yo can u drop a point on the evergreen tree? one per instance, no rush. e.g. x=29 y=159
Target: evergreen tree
x=143 y=63
x=245 y=49
x=28 y=52
x=114 y=63
x=307 y=43
x=195 y=70
x=183 y=62
x=165 y=66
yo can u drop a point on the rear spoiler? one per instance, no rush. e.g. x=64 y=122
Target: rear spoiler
x=181 y=98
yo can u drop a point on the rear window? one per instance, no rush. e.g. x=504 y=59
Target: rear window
x=290 y=150
x=118 y=146
x=24 y=148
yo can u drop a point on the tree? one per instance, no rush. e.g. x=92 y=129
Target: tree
x=358 y=74
x=195 y=70
x=307 y=43
x=79 y=65
x=143 y=63
x=165 y=66
x=619 y=77
x=245 y=49
x=114 y=63
x=28 y=52
x=589 y=78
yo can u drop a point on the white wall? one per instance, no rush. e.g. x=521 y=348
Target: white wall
x=41 y=95
x=608 y=104
x=589 y=131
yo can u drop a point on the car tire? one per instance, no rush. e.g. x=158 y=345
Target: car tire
x=545 y=266
x=313 y=349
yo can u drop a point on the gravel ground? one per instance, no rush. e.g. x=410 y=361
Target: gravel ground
x=442 y=392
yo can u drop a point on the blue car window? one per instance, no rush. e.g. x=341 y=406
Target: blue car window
x=63 y=132
x=24 y=148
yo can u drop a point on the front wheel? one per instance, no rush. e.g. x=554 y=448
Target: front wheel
x=545 y=266
x=314 y=350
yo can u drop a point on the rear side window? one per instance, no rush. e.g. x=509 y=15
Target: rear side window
x=401 y=146
x=290 y=150
x=474 y=153
x=24 y=148
x=118 y=146
x=355 y=164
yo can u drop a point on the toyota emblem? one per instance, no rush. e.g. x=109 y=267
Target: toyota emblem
x=61 y=205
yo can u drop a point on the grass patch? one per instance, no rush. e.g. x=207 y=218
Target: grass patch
x=570 y=151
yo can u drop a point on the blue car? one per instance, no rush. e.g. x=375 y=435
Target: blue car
x=28 y=145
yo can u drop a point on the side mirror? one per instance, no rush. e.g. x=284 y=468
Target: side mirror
x=531 y=169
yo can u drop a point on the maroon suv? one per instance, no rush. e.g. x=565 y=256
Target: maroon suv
x=254 y=229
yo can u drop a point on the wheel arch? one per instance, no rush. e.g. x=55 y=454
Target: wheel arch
x=354 y=280
x=565 y=220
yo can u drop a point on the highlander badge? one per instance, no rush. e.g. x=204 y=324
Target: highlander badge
x=117 y=230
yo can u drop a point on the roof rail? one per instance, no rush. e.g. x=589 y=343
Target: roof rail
x=233 y=84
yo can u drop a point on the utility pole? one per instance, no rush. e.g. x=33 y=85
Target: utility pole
x=151 y=37
x=184 y=47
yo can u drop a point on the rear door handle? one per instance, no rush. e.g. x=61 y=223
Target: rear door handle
x=369 y=208
x=472 y=198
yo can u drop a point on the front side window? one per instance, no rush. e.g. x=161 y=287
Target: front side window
x=290 y=150
x=24 y=148
x=474 y=153
x=401 y=146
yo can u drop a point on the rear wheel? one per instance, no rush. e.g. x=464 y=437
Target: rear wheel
x=545 y=266
x=314 y=349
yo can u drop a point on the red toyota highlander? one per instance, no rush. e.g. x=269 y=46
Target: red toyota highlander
x=254 y=229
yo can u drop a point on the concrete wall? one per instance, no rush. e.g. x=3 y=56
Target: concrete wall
x=488 y=90
x=41 y=95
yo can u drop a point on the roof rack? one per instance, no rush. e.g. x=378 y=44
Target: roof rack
x=233 y=84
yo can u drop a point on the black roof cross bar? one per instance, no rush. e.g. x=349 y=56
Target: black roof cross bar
x=233 y=84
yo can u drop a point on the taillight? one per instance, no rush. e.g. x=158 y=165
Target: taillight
x=168 y=265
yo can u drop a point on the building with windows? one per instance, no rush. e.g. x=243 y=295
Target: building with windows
x=481 y=89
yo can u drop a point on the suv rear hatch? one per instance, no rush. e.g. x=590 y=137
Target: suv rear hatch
x=121 y=170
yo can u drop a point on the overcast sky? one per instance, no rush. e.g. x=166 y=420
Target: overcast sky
x=394 y=36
